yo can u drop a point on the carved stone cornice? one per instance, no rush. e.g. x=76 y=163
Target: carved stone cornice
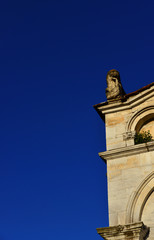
x=133 y=231
x=127 y=151
x=135 y=100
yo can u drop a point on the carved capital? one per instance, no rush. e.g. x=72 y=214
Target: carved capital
x=129 y=135
x=132 y=231
x=144 y=234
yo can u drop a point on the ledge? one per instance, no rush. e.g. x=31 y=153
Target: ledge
x=130 y=231
x=127 y=151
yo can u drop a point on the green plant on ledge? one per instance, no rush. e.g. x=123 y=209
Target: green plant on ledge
x=143 y=137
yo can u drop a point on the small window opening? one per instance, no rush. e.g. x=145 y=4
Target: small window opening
x=145 y=130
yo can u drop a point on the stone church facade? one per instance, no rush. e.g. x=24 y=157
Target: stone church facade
x=130 y=166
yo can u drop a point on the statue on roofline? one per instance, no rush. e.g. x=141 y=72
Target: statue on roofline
x=114 y=90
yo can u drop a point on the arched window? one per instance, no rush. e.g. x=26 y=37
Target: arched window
x=141 y=203
x=142 y=120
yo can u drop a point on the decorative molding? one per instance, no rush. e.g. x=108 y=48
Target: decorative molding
x=144 y=234
x=127 y=151
x=134 y=231
x=138 y=116
x=138 y=199
x=130 y=103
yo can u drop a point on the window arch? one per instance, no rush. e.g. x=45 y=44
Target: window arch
x=139 y=199
x=140 y=118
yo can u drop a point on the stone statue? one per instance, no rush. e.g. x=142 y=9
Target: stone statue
x=114 y=88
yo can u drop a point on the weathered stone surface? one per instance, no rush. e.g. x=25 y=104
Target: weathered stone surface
x=147 y=214
x=135 y=231
x=130 y=167
x=114 y=88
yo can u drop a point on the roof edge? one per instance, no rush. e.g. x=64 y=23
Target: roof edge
x=124 y=98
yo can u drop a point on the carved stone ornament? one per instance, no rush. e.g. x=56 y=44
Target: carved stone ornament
x=144 y=234
x=114 y=90
x=119 y=228
x=132 y=231
x=129 y=135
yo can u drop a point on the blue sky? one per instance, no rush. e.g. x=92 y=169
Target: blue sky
x=54 y=56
